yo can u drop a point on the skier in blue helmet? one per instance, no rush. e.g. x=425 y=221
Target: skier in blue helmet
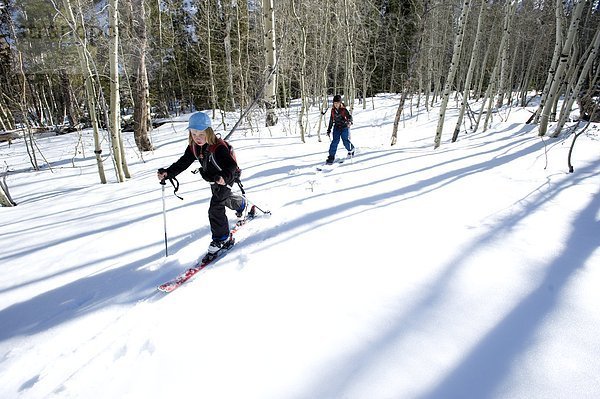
x=219 y=167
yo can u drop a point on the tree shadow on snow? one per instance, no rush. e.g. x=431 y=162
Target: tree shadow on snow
x=480 y=372
x=123 y=285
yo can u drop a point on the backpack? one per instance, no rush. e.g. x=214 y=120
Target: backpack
x=213 y=148
x=343 y=116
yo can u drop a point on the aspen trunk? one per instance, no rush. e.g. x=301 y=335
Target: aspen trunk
x=70 y=110
x=462 y=21
x=472 y=61
x=413 y=57
x=555 y=57
x=211 y=74
x=5 y=198
x=22 y=104
x=303 y=98
x=504 y=62
x=511 y=9
x=271 y=61
x=240 y=52
x=90 y=90
x=115 y=106
x=562 y=65
x=570 y=100
x=324 y=64
x=479 y=92
x=350 y=93
x=6 y=118
x=489 y=97
x=227 y=47
x=141 y=111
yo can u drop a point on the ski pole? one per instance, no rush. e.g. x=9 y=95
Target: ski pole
x=257 y=207
x=163 y=184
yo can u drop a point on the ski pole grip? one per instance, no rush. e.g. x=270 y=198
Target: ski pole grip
x=162 y=171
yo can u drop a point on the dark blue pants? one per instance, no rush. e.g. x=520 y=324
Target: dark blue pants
x=338 y=133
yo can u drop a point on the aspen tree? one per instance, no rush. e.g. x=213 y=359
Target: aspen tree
x=558 y=44
x=326 y=44
x=414 y=52
x=5 y=198
x=482 y=74
x=574 y=94
x=141 y=111
x=501 y=60
x=228 y=18
x=462 y=22
x=115 y=100
x=489 y=97
x=504 y=60
x=242 y=50
x=562 y=65
x=162 y=97
x=303 y=94
x=350 y=91
x=21 y=92
x=77 y=25
x=271 y=61
x=472 y=61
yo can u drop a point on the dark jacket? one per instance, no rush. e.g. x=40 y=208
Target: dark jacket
x=340 y=118
x=214 y=162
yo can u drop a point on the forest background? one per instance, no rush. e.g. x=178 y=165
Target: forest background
x=114 y=65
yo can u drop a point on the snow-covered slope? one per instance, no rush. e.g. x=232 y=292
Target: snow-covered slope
x=470 y=271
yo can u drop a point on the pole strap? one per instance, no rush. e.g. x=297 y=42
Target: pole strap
x=241 y=186
x=175 y=183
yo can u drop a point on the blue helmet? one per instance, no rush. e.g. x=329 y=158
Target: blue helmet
x=199 y=121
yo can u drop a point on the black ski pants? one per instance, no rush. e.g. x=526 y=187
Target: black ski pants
x=222 y=197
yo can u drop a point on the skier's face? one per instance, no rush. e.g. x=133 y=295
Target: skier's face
x=199 y=136
x=337 y=104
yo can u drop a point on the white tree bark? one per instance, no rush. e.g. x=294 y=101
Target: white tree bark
x=141 y=113
x=228 y=17
x=211 y=74
x=592 y=57
x=558 y=44
x=271 y=60
x=462 y=21
x=5 y=198
x=90 y=90
x=303 y=117
x=564 y=61
x=350 y=93
x=115 y=106
x=488 y=98
x=472 y=62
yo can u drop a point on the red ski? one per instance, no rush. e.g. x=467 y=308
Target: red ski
x=177 y=282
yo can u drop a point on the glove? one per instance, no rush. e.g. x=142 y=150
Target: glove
x=162 y=175
x=329 y=133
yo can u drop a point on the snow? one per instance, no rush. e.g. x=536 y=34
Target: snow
x=470 y=271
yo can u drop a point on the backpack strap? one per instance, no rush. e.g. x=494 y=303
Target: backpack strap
x=212 y=149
